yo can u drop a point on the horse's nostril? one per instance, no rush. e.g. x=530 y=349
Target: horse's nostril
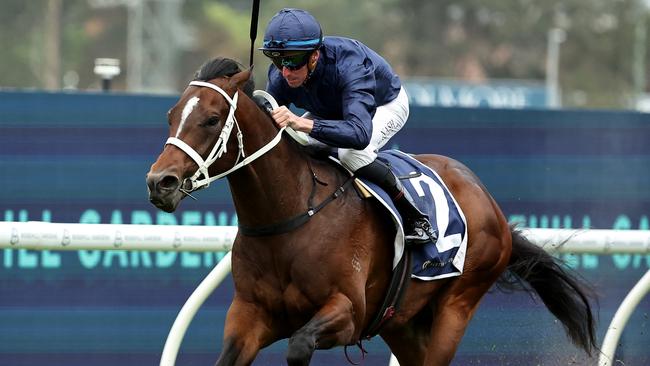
x=168 y=183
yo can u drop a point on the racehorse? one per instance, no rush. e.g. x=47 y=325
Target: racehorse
x=320 y=278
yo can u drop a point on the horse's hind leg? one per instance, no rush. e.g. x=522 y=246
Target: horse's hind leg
x=455 y=307
x=332 y=325
x=431 y=337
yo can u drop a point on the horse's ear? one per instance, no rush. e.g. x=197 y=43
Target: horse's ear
x=241 y=78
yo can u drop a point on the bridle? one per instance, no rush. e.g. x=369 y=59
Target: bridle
x=201 y=178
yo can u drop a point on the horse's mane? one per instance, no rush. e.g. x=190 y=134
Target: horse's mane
x=222 y=66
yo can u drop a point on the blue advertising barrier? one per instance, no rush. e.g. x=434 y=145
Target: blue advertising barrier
x=431 y=92
x=83 y=157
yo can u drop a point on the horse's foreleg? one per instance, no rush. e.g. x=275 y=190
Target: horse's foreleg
x=332 y=325
x=247 y=329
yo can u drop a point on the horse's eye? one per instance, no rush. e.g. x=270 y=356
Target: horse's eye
x=212 y=121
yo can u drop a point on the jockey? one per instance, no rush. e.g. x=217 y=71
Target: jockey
x=354 y=102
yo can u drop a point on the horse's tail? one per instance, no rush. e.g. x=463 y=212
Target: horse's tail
x=559 y=288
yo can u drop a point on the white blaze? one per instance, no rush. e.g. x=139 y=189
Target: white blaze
x=189 y=107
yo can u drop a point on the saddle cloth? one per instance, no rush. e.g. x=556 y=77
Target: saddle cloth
x=430 y=261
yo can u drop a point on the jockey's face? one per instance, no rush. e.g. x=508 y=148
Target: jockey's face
x=296 y=78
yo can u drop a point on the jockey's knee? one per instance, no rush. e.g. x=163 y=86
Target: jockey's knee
x=355 y=159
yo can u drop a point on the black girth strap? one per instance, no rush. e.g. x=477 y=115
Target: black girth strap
x=396 y=289
x=299 y=220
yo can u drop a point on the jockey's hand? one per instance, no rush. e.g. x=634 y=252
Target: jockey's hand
x=284 y=117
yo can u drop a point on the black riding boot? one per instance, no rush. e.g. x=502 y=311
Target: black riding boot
x=417 y=228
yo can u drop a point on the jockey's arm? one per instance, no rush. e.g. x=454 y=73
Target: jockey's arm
x=355 y=129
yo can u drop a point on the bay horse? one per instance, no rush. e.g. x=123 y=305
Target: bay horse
x=320 y=282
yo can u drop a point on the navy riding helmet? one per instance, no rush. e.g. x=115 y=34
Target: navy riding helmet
x=292 y=30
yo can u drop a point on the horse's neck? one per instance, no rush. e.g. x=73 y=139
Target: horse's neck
x=276 y=185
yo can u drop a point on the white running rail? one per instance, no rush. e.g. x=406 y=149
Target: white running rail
x=191 y=307
x=622 y=315
x=36 y=235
